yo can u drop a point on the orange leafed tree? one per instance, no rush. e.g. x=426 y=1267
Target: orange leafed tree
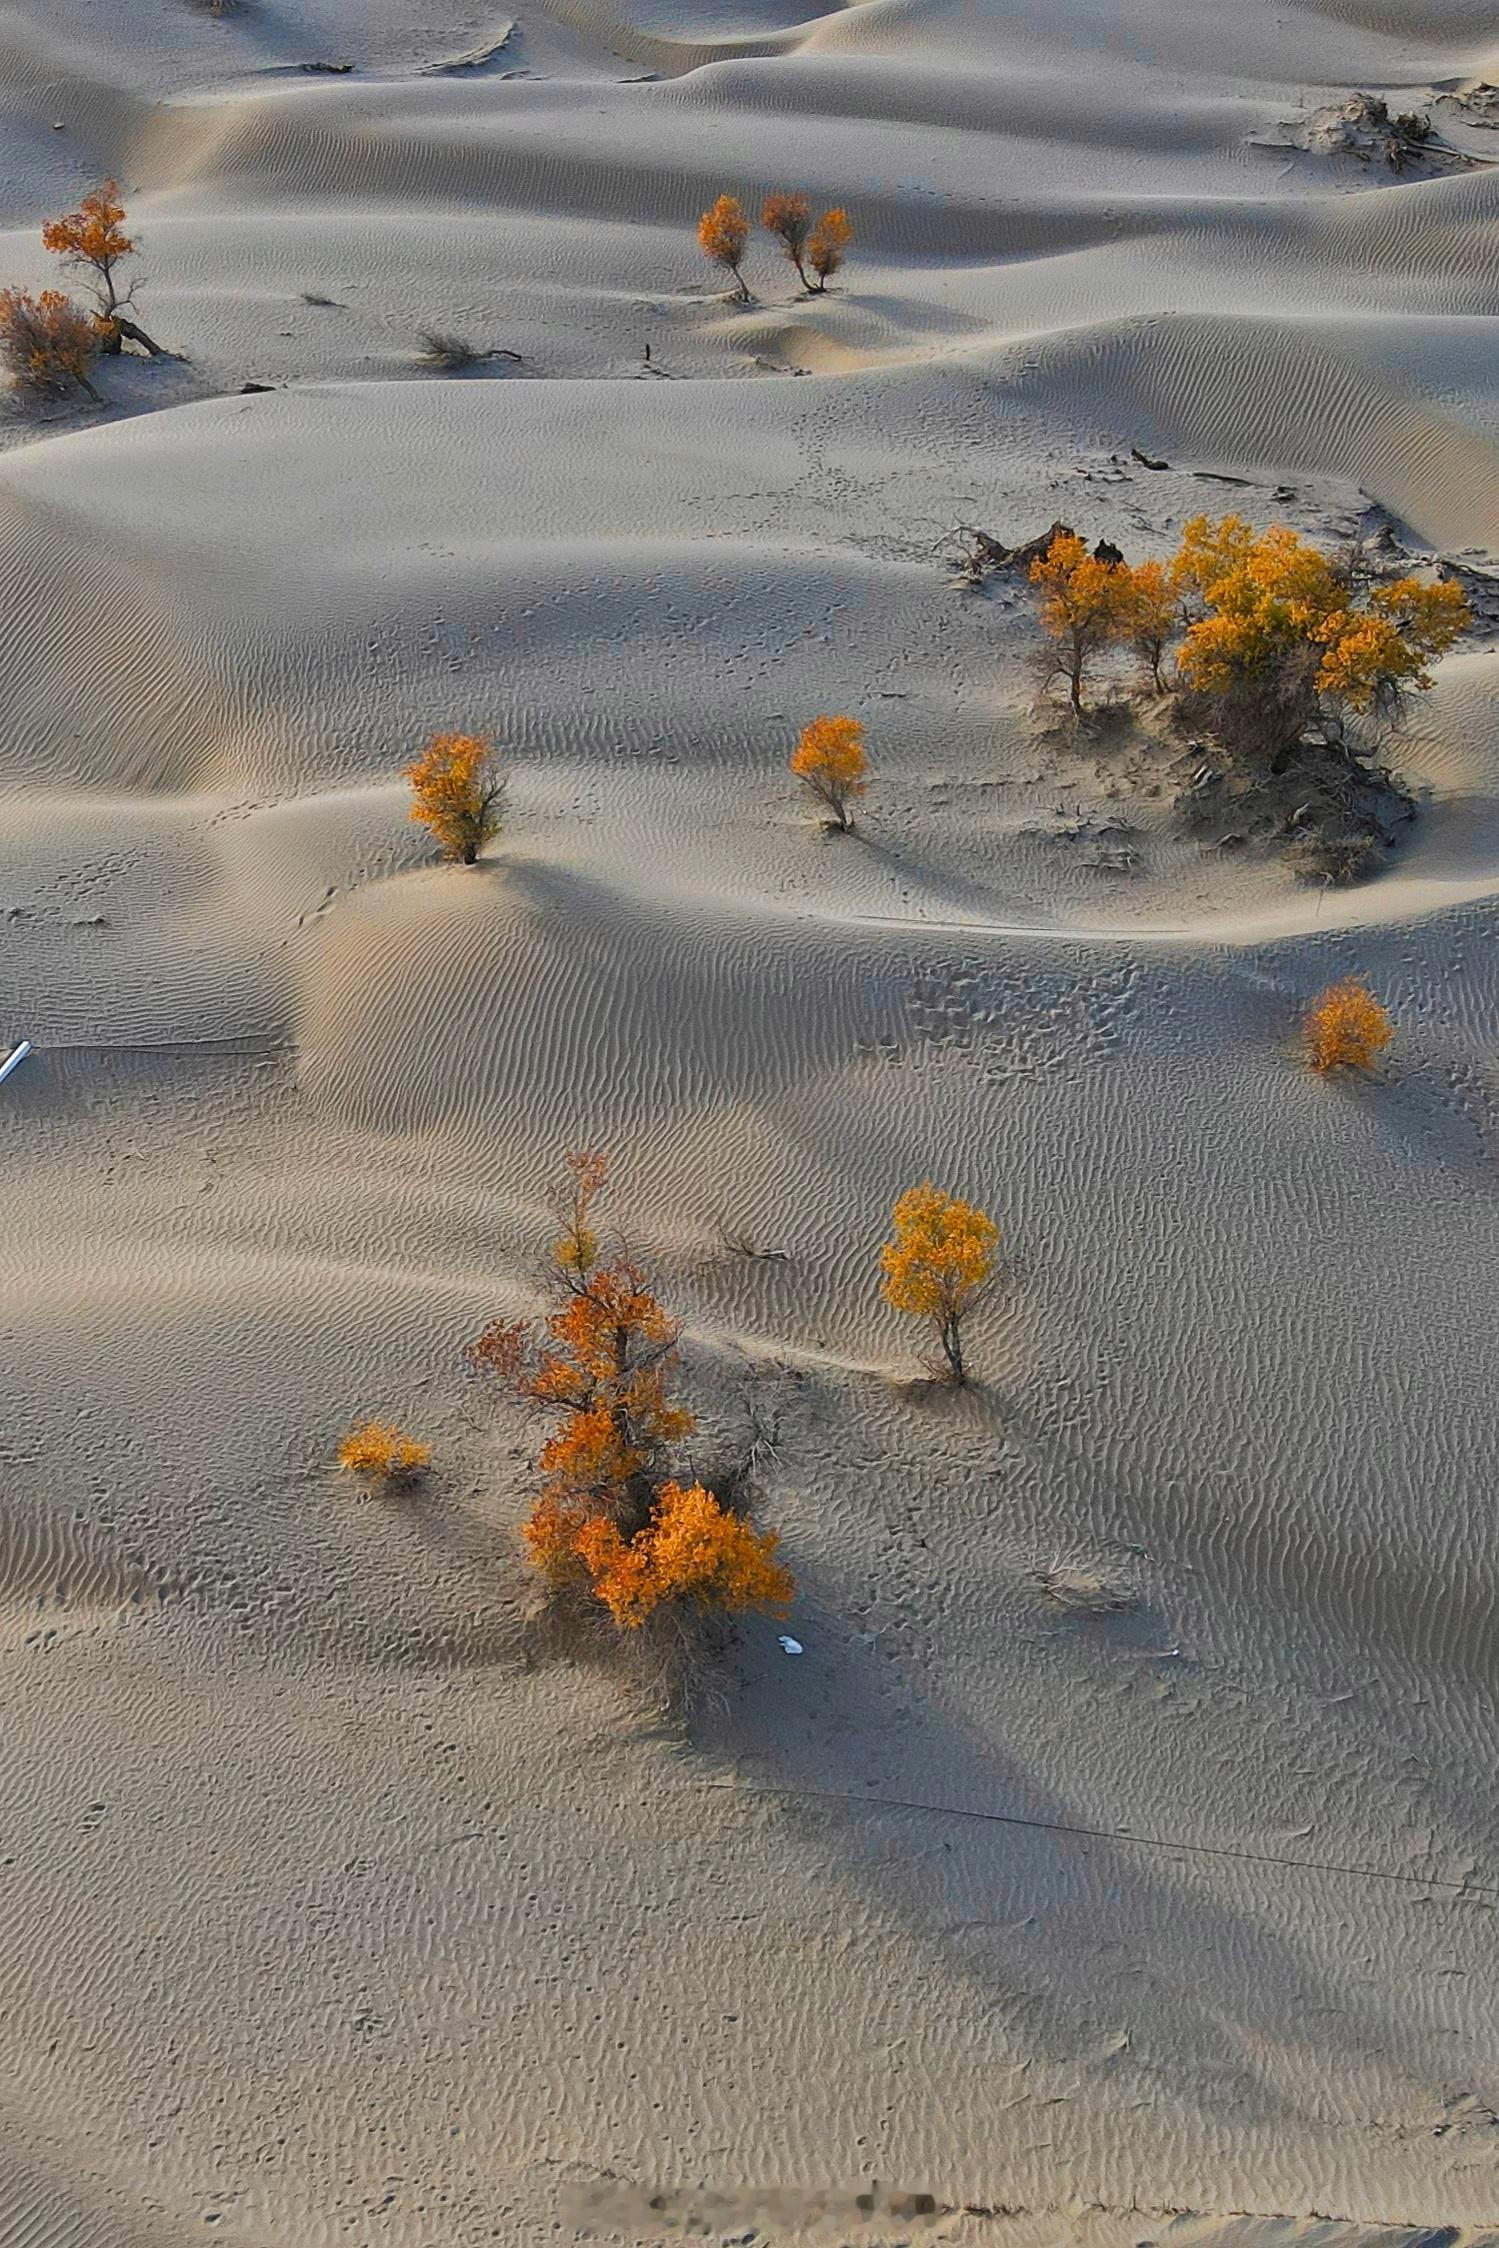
x=92 y=240
x=612 y=1522
x=723 y=232
x=827 y=245
x=47 y=343
x=1346 y=1028
x=1085 y=605
x=789 y=217
x=456 y=791
x=831 y=759
x=380 y=1452
x=937 y=1263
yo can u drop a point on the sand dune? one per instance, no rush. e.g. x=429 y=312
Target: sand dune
x=334 y=1913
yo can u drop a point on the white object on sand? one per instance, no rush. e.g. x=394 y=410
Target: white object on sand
x=791 y=1646
x=14 y=1059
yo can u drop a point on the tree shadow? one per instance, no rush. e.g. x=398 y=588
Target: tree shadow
x=1098 y=1954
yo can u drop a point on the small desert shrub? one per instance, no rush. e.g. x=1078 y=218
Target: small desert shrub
x=379 y=1452
x=47 y=343
x=1340 y=859
x=456 y=791
x=937 y=1264
x=1346 y=1028
x=449 y=353
x=830 y=758
x=722 y=233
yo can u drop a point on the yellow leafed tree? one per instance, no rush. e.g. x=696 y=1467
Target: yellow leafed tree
x=937 y=1263
x=456 y=791
x=1281 y=629
x=830 y=758
x=1085 y=605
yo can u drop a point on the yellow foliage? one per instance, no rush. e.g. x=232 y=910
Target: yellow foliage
x=691 y=1550
x=382 y=1453
x=939 y=1257
x=830 y=758
x=1085 y=604
x=456 y=790
x=1270 y=600
x=47 y=342
x=722 y=233
x=1150 y=611
x=829 y=240
x=1346 y=1027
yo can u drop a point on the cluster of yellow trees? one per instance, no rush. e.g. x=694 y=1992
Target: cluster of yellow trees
x=49 y=342
x=1267 y=628
x=723 y=234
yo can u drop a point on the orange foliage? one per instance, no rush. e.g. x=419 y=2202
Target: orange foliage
x=722 y=233
x=1346 y=1027
x=829 y=240
x=790 y=218
x=830 y=758
x=610 y=1521
x=93 y=239
x=47 y=343
x=456 y=791
x=691 y=1549
x=382 y=1453
x=1085 y=605
x=938 y=1260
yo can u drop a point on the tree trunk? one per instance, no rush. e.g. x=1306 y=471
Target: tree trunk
x=952 y=1346
x=137 y=335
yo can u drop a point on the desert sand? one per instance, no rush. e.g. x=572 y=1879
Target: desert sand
x=331 y=1915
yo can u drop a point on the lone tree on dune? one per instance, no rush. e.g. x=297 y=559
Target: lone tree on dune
x=456 y=791
x=790 y=217
x=937 y=1263
x=1346 y=1028
x=379 y=1452
x=723 y=232
x=830 y=758
x=829 y=240
x=92 y=240
x=47 y=343
x=1283 y=633
x=614 y=1529
x=1085 y=606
